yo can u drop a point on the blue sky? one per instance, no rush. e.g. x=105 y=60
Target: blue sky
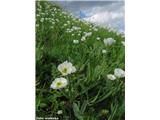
x=105 y=13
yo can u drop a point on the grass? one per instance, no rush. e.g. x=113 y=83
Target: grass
x=90 y=95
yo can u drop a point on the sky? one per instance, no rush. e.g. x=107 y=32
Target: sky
x=104 y=13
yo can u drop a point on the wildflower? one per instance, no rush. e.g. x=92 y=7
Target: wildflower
x=109 y=41
x=37 y=25
x=83 y=38
x=104 y=51
x=76 y=28
x=66 y=68
x=98 y=38
x=119 y=73
x=111 y=77
x=59 y=83
x=42 y=19
x=95 y=29
x=68 y=22
x=59 y=112
x=75 y=41
x=88 y=34
x=123 y=43
x=65 y=25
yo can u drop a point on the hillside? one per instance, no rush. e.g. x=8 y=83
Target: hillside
x=89 y=58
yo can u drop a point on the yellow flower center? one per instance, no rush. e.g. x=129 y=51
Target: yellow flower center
x=59 y=84
x=64 y=70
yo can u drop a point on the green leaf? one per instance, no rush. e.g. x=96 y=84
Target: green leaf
x=77 y=112
x=84 y=105
x=104 y=97
x=42 y=105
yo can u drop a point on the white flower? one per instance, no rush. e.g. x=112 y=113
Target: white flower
x=59 y=83
x=65 y=25
x=123 y=43
x=68 y=22
x=95 y=29
x=109 y=41
x=111 y=77
x=42 y=19
x=37 y=25
x=98 y=38
x=75 y=41
x=119 y=73
x=88 y=34
x=83 y=38
x=76 y=28
x=104 y=51
x=66 y=68
x=59 y=112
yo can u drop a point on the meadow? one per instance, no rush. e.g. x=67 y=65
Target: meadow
x=80 y=67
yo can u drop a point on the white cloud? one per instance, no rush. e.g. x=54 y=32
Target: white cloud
x=113 y=18
x=106 y=13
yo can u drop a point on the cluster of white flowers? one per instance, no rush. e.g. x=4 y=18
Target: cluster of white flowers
x=83 y=38
x=109 y=41
x=75 y=41
x=44 y=16
x=86 y=34
x=74 y=28
x=118 y=73
x=68 y=30
x=65 y=68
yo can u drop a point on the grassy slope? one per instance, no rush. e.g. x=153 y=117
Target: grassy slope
x=89 y=95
